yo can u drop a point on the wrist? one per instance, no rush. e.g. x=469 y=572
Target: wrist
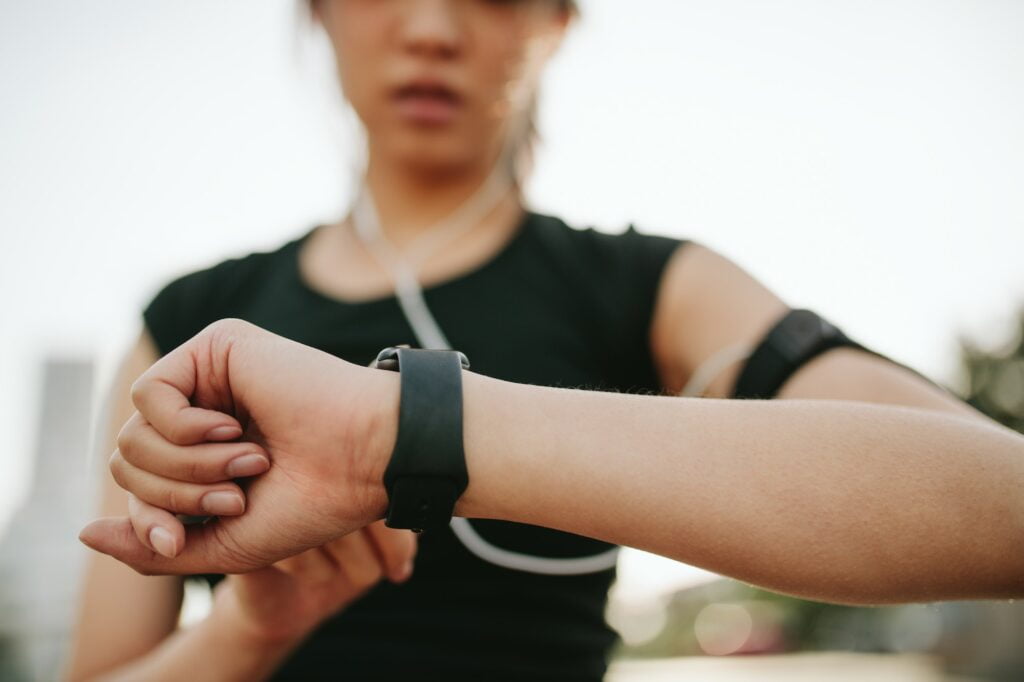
x=486 y=444
x=384 y=393
x=418 y=437
x=512 y=435
x=234 y=627
x=485 y=399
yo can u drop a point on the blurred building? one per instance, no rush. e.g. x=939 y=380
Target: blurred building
x=40 y=556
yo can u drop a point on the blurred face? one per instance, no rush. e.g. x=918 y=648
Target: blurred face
x=438 y=83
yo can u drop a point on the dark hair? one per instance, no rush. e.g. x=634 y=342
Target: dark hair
x=530 y=135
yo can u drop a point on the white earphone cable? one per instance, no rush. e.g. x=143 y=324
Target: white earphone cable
x=409 y=293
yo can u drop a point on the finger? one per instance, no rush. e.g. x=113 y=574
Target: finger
x=161 y=394
x=144 y=447
x=218 y=499
x=313 y=565
x=291 y=565
x=397 y=548
x=155 y=528
x=204 y=551
x=357 y=559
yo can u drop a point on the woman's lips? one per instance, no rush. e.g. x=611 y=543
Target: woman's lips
x=429 y=104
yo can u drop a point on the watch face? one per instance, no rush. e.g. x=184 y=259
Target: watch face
x=386 y=359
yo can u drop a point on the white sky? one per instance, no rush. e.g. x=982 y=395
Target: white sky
x=865 y=159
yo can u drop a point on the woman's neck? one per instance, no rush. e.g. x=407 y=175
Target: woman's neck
x=410 y=202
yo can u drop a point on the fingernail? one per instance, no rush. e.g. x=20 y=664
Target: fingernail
x=223 y=433
x=222 y=502
x=247 y=465
x=85 y=536
x=162 y=541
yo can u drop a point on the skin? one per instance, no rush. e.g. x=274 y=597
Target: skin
x=420 y=176
x=490 y=52
x=837 y=500
x=126 y=621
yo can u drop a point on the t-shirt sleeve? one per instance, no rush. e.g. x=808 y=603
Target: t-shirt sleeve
x=170 y=315
x=629 y=269
x=632 y=264
x=187 y=304
x=647 y=254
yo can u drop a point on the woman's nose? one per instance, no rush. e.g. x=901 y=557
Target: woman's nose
x=432 y=27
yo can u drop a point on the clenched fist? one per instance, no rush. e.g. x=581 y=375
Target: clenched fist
x=232 y=401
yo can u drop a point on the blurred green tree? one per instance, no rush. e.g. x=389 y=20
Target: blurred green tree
x=993 y=381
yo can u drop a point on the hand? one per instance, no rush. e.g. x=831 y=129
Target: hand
x=328 y=427
x=285 y=601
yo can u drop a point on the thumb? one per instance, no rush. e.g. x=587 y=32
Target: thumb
x=203 y=552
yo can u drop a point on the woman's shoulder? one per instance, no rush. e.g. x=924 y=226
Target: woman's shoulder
x=228 y=273
x=626 y=251
x=185 y=303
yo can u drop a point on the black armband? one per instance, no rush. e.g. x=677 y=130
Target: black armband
x=794 y=340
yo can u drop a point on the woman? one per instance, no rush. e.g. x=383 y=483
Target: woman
x=444 y=89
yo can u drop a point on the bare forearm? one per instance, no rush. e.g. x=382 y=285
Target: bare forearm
x=215 y=649
x=838 y=500
x=834 y=500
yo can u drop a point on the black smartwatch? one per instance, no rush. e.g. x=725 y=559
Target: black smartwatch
x=427 y=470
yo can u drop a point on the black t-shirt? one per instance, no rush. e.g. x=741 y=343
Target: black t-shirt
x=556 y=306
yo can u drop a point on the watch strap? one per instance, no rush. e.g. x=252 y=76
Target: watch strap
x=427 y=470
